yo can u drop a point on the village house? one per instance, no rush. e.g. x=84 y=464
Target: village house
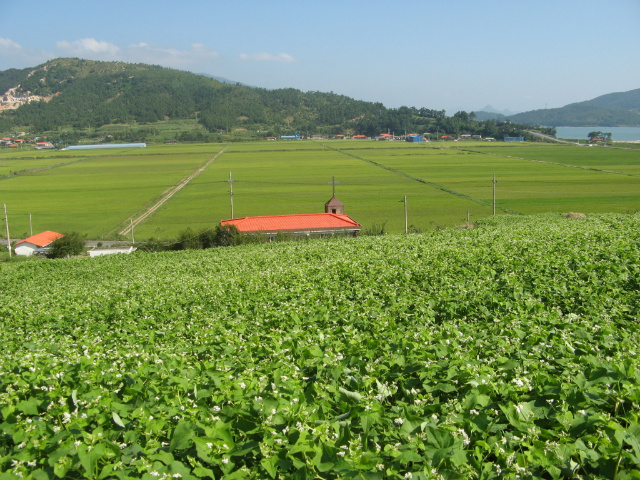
x=36 y=243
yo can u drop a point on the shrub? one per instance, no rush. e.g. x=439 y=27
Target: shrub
x=70 y=244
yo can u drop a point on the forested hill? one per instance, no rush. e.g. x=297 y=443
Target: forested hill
x=611 y=110
x=625 y=100
x=83 y=93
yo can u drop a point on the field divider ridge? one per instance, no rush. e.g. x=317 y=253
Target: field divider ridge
x=558 y=164
x=136 y=219
x=36 y=170
x=425 y=182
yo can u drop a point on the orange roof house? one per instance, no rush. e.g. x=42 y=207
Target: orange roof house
x=298 y=224
x=30 y=245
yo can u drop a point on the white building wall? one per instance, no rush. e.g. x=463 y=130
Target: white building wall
x=25 y=249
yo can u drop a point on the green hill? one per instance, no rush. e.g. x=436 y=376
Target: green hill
x=88 y=93
x=85 y=94
x=624 y=100
x=611 y=110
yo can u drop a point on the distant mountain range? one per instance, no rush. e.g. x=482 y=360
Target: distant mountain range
x=610 y=110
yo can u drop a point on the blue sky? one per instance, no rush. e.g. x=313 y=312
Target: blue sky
x=453 y=55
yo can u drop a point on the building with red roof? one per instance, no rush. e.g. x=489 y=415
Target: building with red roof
x=36 y=243
x=333 y=221
x=317 y=224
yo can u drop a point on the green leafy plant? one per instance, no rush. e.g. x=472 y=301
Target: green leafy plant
x=504 y=351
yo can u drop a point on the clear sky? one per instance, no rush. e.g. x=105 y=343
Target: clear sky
x=445 y=54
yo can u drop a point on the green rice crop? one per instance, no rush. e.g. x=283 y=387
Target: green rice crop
x=96 y=192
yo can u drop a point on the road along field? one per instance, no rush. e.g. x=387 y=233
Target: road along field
x=445 y=183
x=505 y=351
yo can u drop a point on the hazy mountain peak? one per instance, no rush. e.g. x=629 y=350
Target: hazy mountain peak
x=491 y=109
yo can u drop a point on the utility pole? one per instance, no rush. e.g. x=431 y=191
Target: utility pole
x=231 y=193
x=133 y=240
x=6 y=223
x=406 y=217
x=30 y=226
x=494 y=193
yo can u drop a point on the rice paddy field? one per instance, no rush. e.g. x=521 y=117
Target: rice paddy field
x=98 y=192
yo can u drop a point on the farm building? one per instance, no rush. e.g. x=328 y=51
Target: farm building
x=385 y=136
x=334 y=206
x=514 y=139
x=36 y=243
x=332 y=222
x=308 y=224
x=99 y=252
x=415 y=138
x=106 y=145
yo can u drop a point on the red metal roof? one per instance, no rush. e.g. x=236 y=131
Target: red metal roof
x=294 y=223
x=42 y=239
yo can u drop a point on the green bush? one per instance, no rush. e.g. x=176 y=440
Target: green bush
x=69 y=245
x=220 y=236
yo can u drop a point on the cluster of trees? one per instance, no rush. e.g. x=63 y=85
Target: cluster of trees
x=70 y=245
x=89 y=94
x=218 y=236
x=606 y=137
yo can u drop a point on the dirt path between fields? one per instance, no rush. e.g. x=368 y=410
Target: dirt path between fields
x=134 y=220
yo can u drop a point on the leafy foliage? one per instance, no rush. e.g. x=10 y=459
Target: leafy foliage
x=218 y=236
x=504 y=351
x=67 y=246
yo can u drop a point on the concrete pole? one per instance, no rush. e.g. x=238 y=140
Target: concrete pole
x=494 y=193
x=406 y=217
x=6 y=223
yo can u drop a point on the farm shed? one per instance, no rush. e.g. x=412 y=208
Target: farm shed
x=99 y=252
x=308 y=224
x=106 y=145
x=415 y=138
x=31 y=245
x=334 y=206
x=385 y=136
